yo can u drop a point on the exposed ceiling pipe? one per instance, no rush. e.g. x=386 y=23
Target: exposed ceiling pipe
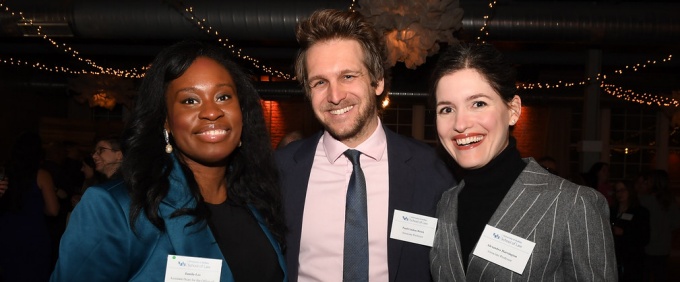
x=158 y=20
x=237 y=20
x=629 y=23
x=274 y=20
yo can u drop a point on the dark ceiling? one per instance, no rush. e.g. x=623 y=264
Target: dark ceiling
x=548 y=40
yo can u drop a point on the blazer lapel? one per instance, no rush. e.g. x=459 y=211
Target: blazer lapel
x=188 y=240
x=519 y=213
x=458 y=273
x=272 y=240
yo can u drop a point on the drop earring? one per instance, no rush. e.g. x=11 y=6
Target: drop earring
x=168 y=147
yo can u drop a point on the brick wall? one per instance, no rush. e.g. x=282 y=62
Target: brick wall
x=533 y=131
x=528 y=131
x=544 y=131
x=283 y=117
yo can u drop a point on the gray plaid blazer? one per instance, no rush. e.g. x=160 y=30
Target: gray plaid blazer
x=569 y=224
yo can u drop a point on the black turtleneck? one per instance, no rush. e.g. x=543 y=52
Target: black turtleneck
x=484 y=189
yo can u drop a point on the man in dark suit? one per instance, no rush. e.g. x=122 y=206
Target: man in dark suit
x=342 y=66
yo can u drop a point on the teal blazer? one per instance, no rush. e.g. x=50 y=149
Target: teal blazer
x=99 y=244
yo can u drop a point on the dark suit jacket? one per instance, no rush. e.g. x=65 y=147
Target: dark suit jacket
x=417 y=178
x=569 y=224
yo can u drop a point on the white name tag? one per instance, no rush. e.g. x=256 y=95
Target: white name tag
x=192 y=269
x=413 y=228
x=627 y=216
x=504 y=249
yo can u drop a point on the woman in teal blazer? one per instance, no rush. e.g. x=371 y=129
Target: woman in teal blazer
x=198 y=181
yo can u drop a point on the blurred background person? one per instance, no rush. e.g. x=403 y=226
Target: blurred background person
x=664 y=218
x=597 y=177
x=91 y=177
x=72 y=165
x=3 y=181
x=25 y=245
x=199 y=180
x=108 y=156
x=288 y=138
x=630 y=227
x=62 y=161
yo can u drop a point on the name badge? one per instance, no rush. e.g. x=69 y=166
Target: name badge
x=193 y=269
x=504 y=249
x=627 y=216
x=413 y=228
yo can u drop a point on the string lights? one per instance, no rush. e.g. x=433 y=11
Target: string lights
x=67 y=70
x=353 y=6
x=639 y=66
x=644 y=98
x=188 y=13
x=618 y=92
x=611 y=89
x=483 y=31
x=541 y=85
x=39 y=66
x=134 y=73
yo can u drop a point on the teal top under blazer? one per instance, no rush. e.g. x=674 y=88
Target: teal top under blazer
x=99 y=244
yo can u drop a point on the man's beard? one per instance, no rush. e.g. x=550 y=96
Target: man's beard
x=365 y=115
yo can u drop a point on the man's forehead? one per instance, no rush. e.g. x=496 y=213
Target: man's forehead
x=334 y=56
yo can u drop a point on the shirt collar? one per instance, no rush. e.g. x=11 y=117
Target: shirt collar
x=373 y=147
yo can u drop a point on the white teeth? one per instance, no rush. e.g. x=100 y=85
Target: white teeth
x=214 y=132
x=342 y=111
x=469 y=140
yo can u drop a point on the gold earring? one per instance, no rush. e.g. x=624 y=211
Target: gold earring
x=168 y=147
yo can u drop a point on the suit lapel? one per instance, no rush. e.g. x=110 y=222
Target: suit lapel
x=519 y=213
x=400 y=194
x=294 y=198
x=302 y=166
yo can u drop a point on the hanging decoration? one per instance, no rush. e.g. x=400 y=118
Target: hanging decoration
x=104 y=91
x=414 y=29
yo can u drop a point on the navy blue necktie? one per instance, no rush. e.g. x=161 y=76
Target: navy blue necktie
x=355 y=260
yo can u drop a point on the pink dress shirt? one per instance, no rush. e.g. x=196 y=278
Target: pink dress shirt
x=323 y=222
